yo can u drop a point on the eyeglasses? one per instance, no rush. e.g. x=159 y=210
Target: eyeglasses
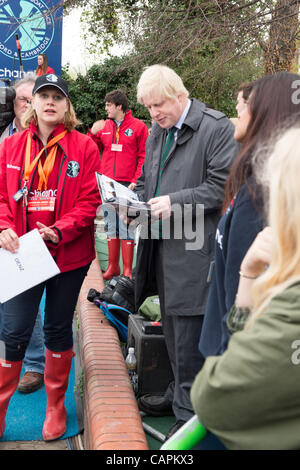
x=22 y=99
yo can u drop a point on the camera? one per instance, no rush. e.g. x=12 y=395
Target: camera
x=7 y=96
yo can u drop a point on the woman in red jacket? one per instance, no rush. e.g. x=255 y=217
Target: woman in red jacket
x=47 y=181
x=43 y=67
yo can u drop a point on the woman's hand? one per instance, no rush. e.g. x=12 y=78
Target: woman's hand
x=9 y=240
x=258 y=257
x=47 y=233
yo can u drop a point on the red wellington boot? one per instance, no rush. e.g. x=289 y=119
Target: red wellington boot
x=9 y=379
x=113 y=268
x=56 y=377
x=127 y=256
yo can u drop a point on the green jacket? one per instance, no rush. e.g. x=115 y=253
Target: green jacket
x=250 y=396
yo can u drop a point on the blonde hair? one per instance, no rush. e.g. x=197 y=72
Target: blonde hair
x=161 y=81
x=282 y=170
x=70 y=120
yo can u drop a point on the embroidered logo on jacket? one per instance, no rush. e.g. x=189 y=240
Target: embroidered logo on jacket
x=219 y=238
x=13 y=167
x=73 y=169
x=128 y=132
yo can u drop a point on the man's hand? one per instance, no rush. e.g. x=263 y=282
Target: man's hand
x=132 y=186
x=47 y=233
x=98 y=126
x=9 y=240
x=160 y=207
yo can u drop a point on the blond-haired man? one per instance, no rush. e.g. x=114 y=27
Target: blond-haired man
x=188 y=156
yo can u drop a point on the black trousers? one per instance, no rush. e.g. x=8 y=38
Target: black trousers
x=182 y=335
x=19 y=315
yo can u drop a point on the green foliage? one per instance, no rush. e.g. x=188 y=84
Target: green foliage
x=213 y=46
x=79 y=386
x=88 y=92
x=218 y=90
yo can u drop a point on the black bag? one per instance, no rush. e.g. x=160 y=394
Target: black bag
x=119 y=291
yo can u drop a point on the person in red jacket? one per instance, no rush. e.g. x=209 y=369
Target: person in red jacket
x=47 y=181
x=122 y=140
x=43 y=67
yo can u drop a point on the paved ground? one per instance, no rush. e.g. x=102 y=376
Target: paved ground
x=34 y=445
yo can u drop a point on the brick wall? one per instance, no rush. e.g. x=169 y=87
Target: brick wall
x=111 y=417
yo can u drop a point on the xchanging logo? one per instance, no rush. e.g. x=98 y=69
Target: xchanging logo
x=30 y=19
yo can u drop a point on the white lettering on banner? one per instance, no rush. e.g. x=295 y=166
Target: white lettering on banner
x=7 y=73
x=30 y=19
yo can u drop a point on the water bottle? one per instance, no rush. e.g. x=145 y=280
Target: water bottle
x=131 y=367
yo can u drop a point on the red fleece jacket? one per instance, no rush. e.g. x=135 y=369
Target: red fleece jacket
x=127 y=164
x=77 y=193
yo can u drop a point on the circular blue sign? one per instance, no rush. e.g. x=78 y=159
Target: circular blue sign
x=31 y=21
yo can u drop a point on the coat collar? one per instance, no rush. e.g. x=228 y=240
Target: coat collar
x=192 y=120
x=126 y=120
x=34 y=130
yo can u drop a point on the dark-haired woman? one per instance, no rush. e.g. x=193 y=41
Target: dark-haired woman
x=52 y=167
x=269 y=106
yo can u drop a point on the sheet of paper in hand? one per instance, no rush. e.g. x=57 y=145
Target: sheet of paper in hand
x=31 y=265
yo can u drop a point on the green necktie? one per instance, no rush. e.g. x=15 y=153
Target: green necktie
x=165 y=152
x=156 y=228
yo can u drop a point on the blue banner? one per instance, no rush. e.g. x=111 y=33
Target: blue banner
x=37 y=24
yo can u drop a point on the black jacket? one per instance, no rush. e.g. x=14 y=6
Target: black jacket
x=236 y=231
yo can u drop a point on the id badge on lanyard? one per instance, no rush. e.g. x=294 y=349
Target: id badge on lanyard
x=46 y=203
x=37 y=203
x=116 y=147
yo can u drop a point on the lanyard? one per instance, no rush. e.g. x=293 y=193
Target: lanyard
x=11 y=129
x=117 y=134
x=44 y=170
x=118 y=124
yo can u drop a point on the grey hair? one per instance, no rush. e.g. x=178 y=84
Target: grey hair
x=28 y=77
